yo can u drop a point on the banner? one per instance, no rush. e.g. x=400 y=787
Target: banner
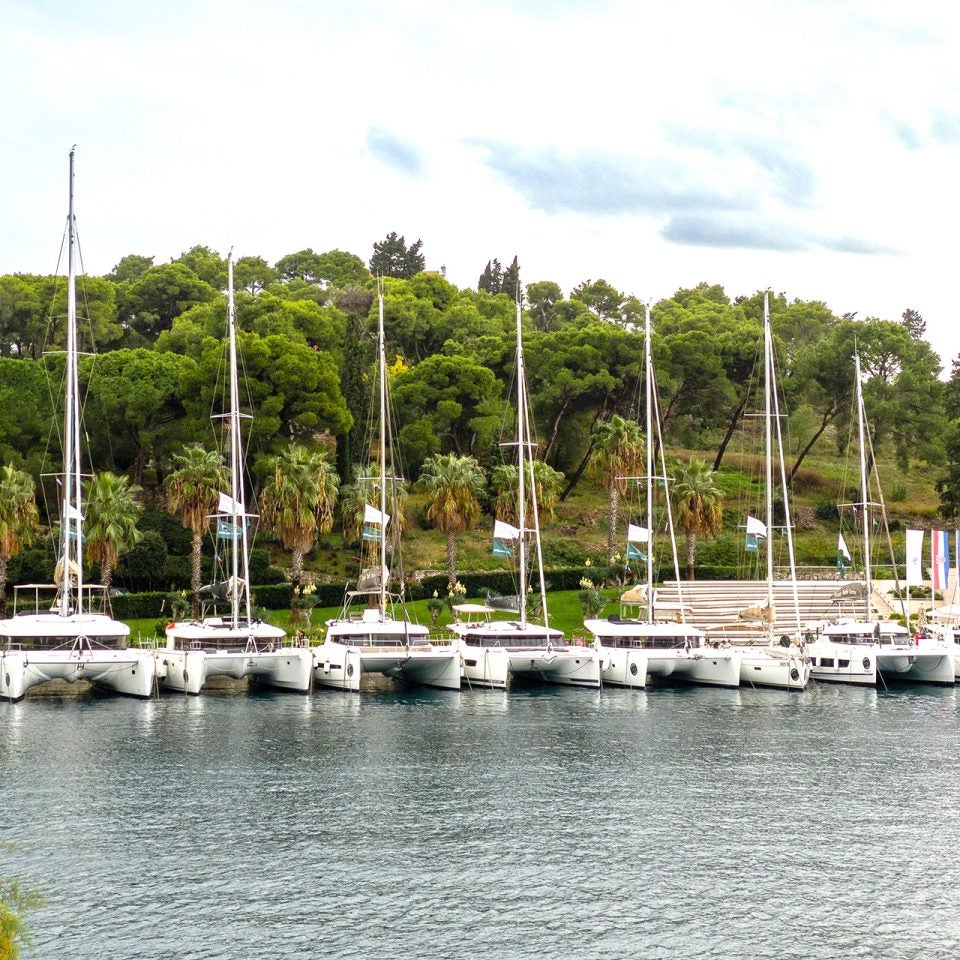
x=228 y=505
x=226 y=530
x=842 y=550
x=939 y=559
x=502 y=548
x=756 y=528
x=914 y=539
x=751 y=545
x=637 y=534
x=373 y=515
x=505 y=531
x=371 y=532
x=635 y=553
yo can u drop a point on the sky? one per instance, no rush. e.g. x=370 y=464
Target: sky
x=811 y=147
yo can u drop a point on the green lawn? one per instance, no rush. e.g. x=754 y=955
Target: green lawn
x=564 y=607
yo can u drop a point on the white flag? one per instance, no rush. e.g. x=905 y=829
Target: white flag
x=504 y=531
x=71 y=512
x=373 y=515
x=842 y=548
x=637 y=534
x=755 y=527
x=228 y=505
x=914 y=540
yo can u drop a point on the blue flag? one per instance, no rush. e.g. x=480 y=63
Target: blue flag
x=751 y=545
x=501 y=549
x=635 y=553
x=371 y=532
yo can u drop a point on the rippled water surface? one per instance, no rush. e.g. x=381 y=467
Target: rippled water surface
x=549 y=824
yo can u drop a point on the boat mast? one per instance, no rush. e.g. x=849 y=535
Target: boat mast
x=239 y=551
x=768 y=477
x=71 y=514
x=382 y=355
x=521 y=471
x=783 y=477
x=648 y=387
x=865 y=505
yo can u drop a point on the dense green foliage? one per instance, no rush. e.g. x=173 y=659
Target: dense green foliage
x=306 y=324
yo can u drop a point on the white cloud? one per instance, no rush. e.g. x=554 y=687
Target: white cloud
x=807 y=146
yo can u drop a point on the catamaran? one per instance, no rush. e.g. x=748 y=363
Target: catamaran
x=868 y=651
x=373 y=633
x=228 y=641
x=780 y=663
x=661 y=644
x=61 y=631
x=494 y=652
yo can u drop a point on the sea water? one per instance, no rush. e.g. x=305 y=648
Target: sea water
x=547 y=823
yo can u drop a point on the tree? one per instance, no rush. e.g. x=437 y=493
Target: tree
x=303 y=265
x=543 y=480
x=914 y=324
x=454 y=485
x=112 y=512
x=15 y=903
x=18 y=520
x=207 y=264
x=131 y=267
x=253 y=274
x=393 y=258
x=491 y=279
x=192 y=491
x=698 y=504
x=149 y=304
x=618 y=454
x=542 y=300
x=297 y=503
x=511 y=281
x=602 y=298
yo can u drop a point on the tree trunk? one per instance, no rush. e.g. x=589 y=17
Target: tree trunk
x=296 y=575
x=825 y=422
x=3 y=586
x=577 y=474
x=612 y=511
x=196 y=557
x=452 y=558
x=691 y=555
x=106 y=577
x=731 y=428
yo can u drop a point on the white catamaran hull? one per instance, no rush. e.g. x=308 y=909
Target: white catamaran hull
x=129 y=672
x=760 y=667
x=187 y=671
x=568 y=666
x=487 y=667
x=343 y=666
x=719 y=668
x=624 y=668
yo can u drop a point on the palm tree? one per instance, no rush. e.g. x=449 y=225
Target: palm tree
x=297 y=503
x=547 y=483
x=618 y=454
x=18 y=520
x=698 y=503
x=363 y=490
x=454 y=485
x=112 y=512
x=192 y=492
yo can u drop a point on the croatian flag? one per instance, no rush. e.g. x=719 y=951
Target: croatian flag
x=939 y=559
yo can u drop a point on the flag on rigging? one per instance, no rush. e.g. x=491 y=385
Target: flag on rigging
x=914 y=550
x=374 y=521
x=636 y=535
x=228 y=505
x=939 y=559
x=503 y=536
x=842 y=550
x=756 y=528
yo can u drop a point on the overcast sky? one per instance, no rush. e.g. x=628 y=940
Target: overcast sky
x=808 y=147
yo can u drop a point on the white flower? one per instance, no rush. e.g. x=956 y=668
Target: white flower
x=588 y=563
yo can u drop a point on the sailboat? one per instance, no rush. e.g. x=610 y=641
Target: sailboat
x=371 y=638
x=868 y=651
x=496 y=651
x=782 y=664
x=228 y=641
x=631 y=646
x=56 y=633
